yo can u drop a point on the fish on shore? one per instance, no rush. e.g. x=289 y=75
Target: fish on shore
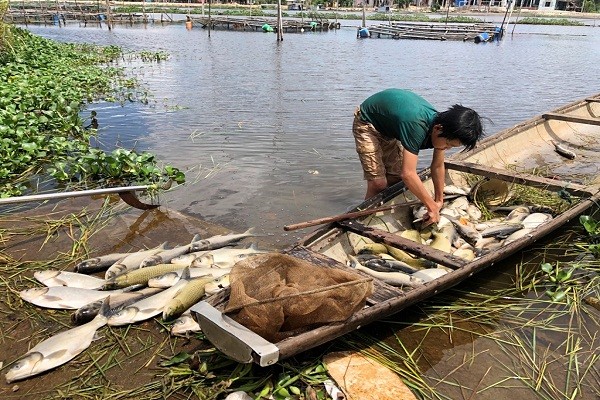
x=218 y=241
x=185 y=260
x=184 y=325
x=64 y=297
x=224 y=257
x=166 y=256
x=170 y=278
x=88 y=312
x=53 y=277
x=189 y=295
x=132 y=261
x=140 y=276
x=98 y=264
x=148 y=307
x=58 y=349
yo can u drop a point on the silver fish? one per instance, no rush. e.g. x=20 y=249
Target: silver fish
x=87 y=312
x=460 y=203
x=224 y=257
x=470 y=234
x=386 y=265
x=517 y=235
x=184 y=325
x=474 y=212
x=57 y=350
x=216 y=285
x=501 y=230
x=166 y=256
x=186 y=260
x=64 y=297
x=53 y=277
x=391 y=278
x=148 y=307
x=534 y=220
x=101 y=263
x=189 y=295
x=518 y=214
x=219 y=241
x=453 y=189
x=170 y=278
x=132 y=261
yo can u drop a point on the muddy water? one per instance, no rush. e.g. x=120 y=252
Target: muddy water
x=263 y=129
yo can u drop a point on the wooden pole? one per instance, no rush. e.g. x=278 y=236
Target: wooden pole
x=109 y=20
x=364 y=16
x=279 y=22
x=209 y=19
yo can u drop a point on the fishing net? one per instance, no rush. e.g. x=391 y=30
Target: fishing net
x=277 y=295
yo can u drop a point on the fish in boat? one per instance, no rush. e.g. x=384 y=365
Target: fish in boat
x=526 y=146
x=191 y=292
x=184 y=325
x=219 y=241
x=391 y=278
x=454 y=189
x=166 y=256
x=470 y=234
x=57 y=349
x=64 y=297
x=87 y=312
x=534 y=220
x=386 y=265
x=170 y=278
x=132 y=261
x=429 y=274
x=501 y=230
x=53 y=277
x=97 y=264
x=563 y=151
x=148 y=307
x=517 y=235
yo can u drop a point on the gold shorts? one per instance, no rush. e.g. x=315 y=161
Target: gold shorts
x=380 y=157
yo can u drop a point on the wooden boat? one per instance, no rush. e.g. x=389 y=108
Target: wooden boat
x=509 y=156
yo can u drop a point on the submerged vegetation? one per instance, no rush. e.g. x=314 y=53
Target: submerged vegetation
x=43 y=87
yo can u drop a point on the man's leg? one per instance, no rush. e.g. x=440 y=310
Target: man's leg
x=368 y=147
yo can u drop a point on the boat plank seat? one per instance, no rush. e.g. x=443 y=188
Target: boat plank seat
x=519 y=178
x=421 y=250
x=572 y=118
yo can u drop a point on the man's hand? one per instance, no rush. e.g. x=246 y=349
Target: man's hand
x=433 y=213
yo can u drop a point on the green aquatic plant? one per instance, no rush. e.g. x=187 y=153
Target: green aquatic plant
x=559 y=278
x=43 y=87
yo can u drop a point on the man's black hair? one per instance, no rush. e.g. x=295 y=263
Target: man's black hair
x=461 y=123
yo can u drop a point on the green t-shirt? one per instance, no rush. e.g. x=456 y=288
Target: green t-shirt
x=401 y=114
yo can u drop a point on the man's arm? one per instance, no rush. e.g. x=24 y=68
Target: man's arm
x=413 y=183
x=438 y=175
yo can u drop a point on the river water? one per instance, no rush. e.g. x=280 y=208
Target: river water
x=263 y=128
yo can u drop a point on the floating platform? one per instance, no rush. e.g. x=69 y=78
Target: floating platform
x=256 y=24
x=434 y=31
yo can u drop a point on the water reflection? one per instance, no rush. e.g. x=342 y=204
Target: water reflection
x=253 y=120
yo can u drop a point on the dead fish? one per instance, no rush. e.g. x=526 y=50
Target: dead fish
x=453 y=189
x=372 y=248
x=148 y=307
x=429 y=274
x=501 y=230
x=87 y=312
x=140 y=276
x=460 y=203
x=64 y=297
x=187 y=259
x=470 y=234
x=534 y=220
x=563 y=151
x=419 y=212
x=53 y=277
x=171 y=278
x=481 y=226
x=132 y=261
x=518 y=214
x=385 y=265
x=517 y=235
x=218 y=241
x=224 y=257
x=441 y=242
x=166 y=256
x=97 y=264
x=189 y=295
x=217 y=285
x=184 y=325
x=391 y=278
x=466 y=254
x=474 y=212
x=57 y=349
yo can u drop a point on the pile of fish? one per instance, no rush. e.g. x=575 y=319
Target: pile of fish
x=136 y=286
x=461 y=232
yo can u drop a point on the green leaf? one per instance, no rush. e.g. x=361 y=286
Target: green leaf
x=177 y=359
x=547 y=267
